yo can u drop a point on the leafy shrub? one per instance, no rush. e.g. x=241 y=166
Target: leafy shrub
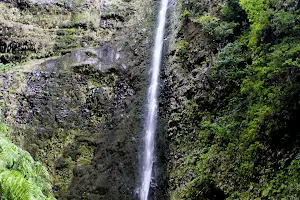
x=21 y=178
x=233 y=12
x=6 y=66
x=214 y=28
x=232 y=63
x=185 y=14
x=247 y=145
x=182 y=49
x=258 y=12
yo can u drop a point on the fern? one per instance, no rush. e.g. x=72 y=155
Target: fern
x=21 y=178
x=15 y=186
x=3 y=129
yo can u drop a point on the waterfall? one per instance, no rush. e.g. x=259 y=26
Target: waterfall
x=152 y=105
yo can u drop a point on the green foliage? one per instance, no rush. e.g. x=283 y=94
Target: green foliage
x=185 y=14
x=6 y=66
x=255 y=9
x=283 y=22
x=3 y=129
x=182 y=49
x=232 y=62
x=233 y=12
x=258 y=12
x=21 y=178
x=214 y=28
x=245 y=143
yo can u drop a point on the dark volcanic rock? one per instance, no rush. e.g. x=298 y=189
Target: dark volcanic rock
x=80 y=114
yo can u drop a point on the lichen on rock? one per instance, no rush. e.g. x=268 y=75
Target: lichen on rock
x=74 y=95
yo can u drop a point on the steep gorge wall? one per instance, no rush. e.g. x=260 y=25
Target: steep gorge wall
x=186 y=86
x=39 y=29
x=231 y=100
x=75 y=95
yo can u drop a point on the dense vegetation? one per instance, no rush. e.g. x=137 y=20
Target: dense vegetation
x=244 y=142
x=21 y=178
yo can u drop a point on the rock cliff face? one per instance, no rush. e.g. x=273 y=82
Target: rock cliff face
x=75 y=94
x=230 y=101
x=186 y=90
x=73 y=77
x=40 y=29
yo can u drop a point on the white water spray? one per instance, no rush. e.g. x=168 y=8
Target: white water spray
x=152 y=104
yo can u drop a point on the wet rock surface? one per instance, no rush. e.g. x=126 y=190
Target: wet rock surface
x=81 y=114
x=35 y=29
x=186 y=89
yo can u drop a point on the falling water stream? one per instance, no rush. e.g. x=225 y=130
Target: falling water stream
x=152 y=105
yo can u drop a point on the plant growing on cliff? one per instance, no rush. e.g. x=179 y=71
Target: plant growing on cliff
x=5 y=66
x=182 y=50
x=258 y=12
x=245 y=145
x=215 y=29
x=21 y=178
x=185 y=14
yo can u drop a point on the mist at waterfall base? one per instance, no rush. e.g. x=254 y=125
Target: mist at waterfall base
x=152 y=106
